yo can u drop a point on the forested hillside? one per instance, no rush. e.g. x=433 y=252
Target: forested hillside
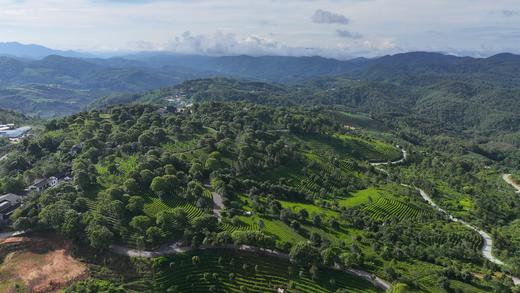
x=453 y=90
x=220 y=175
x=483 y=115
x=59 y=85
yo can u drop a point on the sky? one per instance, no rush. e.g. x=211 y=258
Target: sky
x=331 y=28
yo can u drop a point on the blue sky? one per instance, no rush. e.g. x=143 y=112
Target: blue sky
x=333 y=28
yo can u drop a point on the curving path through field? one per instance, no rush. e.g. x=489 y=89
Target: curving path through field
x=218 y=202
x=487 y=246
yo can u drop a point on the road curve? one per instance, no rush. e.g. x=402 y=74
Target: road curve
x=487 y=247
x=509 y=179
x=5 y=235
x=176 y=247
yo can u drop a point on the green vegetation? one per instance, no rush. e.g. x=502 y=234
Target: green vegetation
x=226 y=271
x=360 y=197
x=294 y=180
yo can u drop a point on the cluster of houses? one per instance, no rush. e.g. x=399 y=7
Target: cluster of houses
x=13 y=134
x=178 y=101
x=9 y=202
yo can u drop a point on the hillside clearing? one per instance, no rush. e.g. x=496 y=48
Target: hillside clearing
x=37 y=265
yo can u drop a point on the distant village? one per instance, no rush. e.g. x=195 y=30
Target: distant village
x=179 y=100
x=14 y=134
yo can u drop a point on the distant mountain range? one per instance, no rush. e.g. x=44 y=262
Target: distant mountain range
x=416 y=81
x=436 y=91
x=15 y=49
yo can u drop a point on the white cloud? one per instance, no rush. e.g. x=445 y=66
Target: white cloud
x=222 y=43
x=264 y=26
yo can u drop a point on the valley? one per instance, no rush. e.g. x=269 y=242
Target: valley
x=334 y=183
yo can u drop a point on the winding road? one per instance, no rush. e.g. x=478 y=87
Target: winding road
x=509 y=179
x=177 y=247
x=402 y=159
x=487 y=246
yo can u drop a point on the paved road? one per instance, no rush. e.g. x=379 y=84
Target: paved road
x=5 y=235
x=403 y=158
x=509 y=179
x=487 y=246
x=177 y=247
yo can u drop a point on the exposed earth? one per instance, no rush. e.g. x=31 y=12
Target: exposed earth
x=37 y=265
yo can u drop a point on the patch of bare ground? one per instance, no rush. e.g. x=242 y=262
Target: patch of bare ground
x=37 y=264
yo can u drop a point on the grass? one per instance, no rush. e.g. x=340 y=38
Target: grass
x=374 y=150
x=261 y=274
x=457 y=203
x=360 y=197
x=311 y=208
x=516 y=177
x=276 y=228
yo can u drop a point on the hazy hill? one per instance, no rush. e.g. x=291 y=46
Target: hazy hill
x=446 y=87
x=35 y=51
x=57 y=85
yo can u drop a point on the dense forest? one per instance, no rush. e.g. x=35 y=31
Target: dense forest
x=297 y=180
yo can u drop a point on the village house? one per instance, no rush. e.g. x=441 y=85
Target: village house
x=8 y=203
x=41 y=184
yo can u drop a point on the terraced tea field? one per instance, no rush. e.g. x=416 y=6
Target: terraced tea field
x=468 y=236
x=232 y=271
x=384 y=208
x=243 y=226
x=341 y=145
x=155 y=205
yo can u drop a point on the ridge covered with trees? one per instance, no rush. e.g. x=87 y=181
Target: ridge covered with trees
x=295 y=180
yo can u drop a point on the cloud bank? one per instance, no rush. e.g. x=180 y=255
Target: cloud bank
x=324 y=27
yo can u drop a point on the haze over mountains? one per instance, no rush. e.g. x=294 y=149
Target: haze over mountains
x=441 y=87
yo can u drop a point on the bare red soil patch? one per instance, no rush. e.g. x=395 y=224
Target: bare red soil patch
x=38 y=265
